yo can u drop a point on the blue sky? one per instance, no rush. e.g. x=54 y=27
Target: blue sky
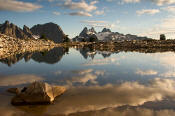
x=142 y=17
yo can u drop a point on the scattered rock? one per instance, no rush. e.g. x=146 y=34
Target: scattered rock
x=38 y=93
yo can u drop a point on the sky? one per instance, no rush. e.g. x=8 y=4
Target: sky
x=140 y=17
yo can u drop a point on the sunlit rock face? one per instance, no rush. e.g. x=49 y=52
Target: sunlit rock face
x=12 y=30
x=50 y=30
x=38 y=93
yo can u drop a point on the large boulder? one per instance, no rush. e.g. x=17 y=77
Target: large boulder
x=37 y=93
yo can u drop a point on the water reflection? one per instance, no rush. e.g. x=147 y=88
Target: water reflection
x=50 y=57
x=98 y=82
x=155 y=98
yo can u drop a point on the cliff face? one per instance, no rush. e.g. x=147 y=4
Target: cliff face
x=50 y=30
x=14 y=31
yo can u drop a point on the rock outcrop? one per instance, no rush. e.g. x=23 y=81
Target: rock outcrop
x=106 y=30
x=12 y=30
x=50 y=30
x=87 y=35
x=37 y=93
x=27 y=31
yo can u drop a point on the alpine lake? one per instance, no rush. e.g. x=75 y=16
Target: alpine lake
x=98 y=83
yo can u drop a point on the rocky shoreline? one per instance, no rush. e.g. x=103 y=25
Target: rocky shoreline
x=10 y=46
x=143 y=46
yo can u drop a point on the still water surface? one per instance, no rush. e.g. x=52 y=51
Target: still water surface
x=98 y=83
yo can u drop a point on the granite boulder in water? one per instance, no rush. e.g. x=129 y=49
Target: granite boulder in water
x=38 y=93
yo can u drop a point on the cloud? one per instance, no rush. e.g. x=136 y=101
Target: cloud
x=163 y=2
x=80 y=13
x=166 y=26
x=92 y=21
x=82 y=5
x=148 y=11
x=18 y=79
x=157 y=2
x=170 y=9
x=168 y=74
x=56 y=13
x=95 y=98
x=131 y=1
x=18 y=6
x=98 y=12
x=146 y=72
x=105 y=61
x=100 y=24
x=80 y=77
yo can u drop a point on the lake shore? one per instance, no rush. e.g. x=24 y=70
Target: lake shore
x=10 y=46
x=143 y=46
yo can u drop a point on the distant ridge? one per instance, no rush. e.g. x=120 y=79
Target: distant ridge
x=105 y=35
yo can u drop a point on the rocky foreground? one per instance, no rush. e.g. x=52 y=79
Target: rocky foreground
x=36 y=93
x=10 y=45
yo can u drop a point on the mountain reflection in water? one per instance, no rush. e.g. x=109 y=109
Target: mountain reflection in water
x=99 y=83
x=50 y=57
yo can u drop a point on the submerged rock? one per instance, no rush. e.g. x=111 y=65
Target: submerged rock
x=38 y=93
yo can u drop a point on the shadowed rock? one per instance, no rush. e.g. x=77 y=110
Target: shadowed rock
x=50 y=30
x=37 y=93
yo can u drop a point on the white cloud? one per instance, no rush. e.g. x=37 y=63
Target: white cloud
x=146 y=72
x=105 y=61
x=82 y=5
x=170 y=9
x=157 y=2
x=148 y=11
x=100 y=24
x=92 y=21
x=168 y=74
x=80 y=13
x=18 y=79
x=98 y=12
x=163 y=2
x=167 y=27
x=18 y=6
x=56 y=13
x=93 y=98
x=80 y=76
x=131 y=1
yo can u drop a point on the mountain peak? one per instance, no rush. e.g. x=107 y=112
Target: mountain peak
x=106 y=30
x=51 y=30
x=6 y=22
